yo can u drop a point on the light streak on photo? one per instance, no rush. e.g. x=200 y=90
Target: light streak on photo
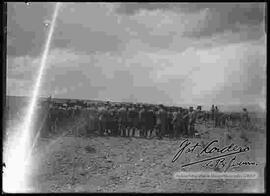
x=17 y=151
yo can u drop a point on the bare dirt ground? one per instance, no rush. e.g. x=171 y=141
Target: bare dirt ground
x=117 y=164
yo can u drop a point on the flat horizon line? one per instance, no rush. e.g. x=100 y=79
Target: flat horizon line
x=139 y=102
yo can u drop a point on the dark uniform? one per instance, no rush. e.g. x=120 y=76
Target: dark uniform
x=47 y=126
x=85 y=122
x=143 y=122
x=170 y=123
x=122 y=121
x=192 y=120
x=93 y=120
x=228 y=123
x=222 y=119
x=109 y=121
x=177 y=123
x=114 y=122
x=186 y=122
x=213 y=112
x=216 y=115
x=103 y=119
x=245 y=119
x=150 y=122
x=161 y=120
x=54 y=118
x=133 y=121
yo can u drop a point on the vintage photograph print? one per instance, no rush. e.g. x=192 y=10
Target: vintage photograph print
x=111 y=97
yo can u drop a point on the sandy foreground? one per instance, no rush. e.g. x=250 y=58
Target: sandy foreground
x=116 y=164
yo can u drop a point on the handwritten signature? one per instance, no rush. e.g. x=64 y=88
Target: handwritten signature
x=217 y=161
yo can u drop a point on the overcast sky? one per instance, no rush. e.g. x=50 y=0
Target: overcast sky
x=167 y=53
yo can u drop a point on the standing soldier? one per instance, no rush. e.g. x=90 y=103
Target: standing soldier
x=109 y=122
x=122 y=121
x=170 y=124
x=85 y=116
x=199 y=112
x=174 y=122
x=244 y=124
x=185 y=114
x=192 y=119
x=89 y=119
x=73 y=113
x=228 y=123
x=136 y=124
x=177 y=123
x=106 y=119
x=150 y=121
x=129 y=120
x=114 y=121
x=55 y=118
x=161 y=121
x=94 y=113
x=158 y=122
x=102 y=120
x=216 y=115
x=47 y=128
x=142 y=120
x=213 y=112
x=245 y=118
x=222 y=119
x=133 y=119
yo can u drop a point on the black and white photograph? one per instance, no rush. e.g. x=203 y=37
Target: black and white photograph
x=134 y=97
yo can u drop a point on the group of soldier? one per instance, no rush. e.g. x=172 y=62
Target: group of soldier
x=127 y=119
x=135 y=119
x=124 y=121
x=227 y=120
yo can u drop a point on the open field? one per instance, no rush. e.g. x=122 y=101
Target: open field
x=73 y=161
x=113 y=164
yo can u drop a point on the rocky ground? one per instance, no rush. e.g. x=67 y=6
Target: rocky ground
x=117 y=164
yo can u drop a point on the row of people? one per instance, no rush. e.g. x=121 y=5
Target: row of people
x=125 y=119
x=120 y=120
